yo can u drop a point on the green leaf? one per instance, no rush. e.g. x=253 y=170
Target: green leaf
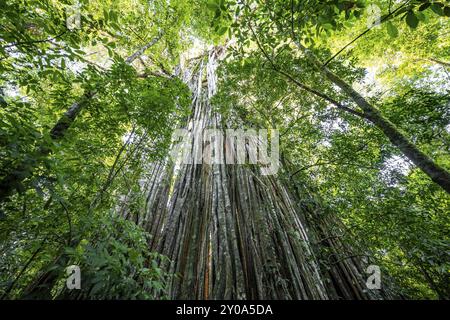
x=421 y=16
x=391 y=29
x=213 y=5
x=412 y=20
x=105 y=15
x=113 y=15
x=222 y=31
x=328 y=26
x=447 y=11
x=424 y=6
x=437 y=8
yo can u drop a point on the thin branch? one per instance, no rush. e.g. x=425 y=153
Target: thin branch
x=16 y=44
x=317 y=164
x=302 y=85
x=383 y=19
x=293 y=123
x=139 y=52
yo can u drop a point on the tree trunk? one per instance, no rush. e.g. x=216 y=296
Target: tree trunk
x=437 y=174
x=24 y=169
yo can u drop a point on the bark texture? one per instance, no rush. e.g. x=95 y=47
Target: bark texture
x=232 y=233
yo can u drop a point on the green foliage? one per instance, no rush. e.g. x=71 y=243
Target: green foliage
x=117 y=264
x=69 y=206
x=393 y=211
x=68 y=186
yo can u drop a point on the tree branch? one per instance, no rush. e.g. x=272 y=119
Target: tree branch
x=302 y=85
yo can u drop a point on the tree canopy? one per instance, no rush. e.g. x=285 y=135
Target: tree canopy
x=92 y=91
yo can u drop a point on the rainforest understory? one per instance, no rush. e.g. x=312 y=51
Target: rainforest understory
x=354 y=98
